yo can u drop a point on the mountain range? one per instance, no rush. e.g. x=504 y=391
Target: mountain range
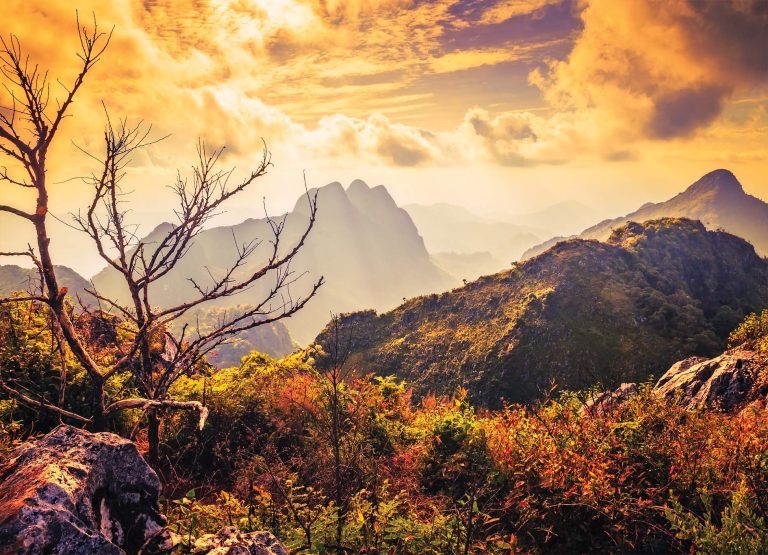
x=365 y=246
x=467 y=245
x=372 y=256
x=562 y=218
x=582 y=313
x=717 y=200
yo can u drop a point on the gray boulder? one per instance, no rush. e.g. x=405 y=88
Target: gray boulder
x=76 y=492
x=73 y=492
x=230 y=541
x=722 y=382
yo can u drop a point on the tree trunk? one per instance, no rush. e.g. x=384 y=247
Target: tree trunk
x=99 y=421
x=153 y=437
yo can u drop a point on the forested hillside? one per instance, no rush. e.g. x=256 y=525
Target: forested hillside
x=582 y=313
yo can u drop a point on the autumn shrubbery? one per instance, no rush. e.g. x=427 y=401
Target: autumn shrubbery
x=438 y=476
x=35 y=361
x=359 y=466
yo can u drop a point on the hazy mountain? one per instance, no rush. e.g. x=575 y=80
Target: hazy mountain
x=581 y=313
x=468 y=245
x=717 y=200
x=272 y=339
x=366 y=247
x=449 y=228
x=563 y=218
x=15 y=278
x=467 y=266
x=545 y=246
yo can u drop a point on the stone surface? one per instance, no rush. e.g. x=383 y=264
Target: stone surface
x=607 y=400
x=229 y=541
x=76 y=492
x=722 y=382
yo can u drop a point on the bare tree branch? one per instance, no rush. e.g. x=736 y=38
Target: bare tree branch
x=138 y=403
x=17 y=212
x=40 y=403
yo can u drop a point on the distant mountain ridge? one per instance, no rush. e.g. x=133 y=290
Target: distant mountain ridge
x=467 y=266
x=582 y=313
x=560 y=218
x=367 y=248
x=717 y=199
x=468 y=245
x=15 y=278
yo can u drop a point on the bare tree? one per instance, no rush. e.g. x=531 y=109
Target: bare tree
x=27 y=128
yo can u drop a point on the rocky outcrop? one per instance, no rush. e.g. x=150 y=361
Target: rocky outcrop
x=75 y=492
x=723 y=382
x=230 y=541
x=607 y=400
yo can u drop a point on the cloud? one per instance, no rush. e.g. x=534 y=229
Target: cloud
x=507 y=9
x=468 y=59
x=333 y=80
x=681 y=112
x=502 y=137
x=504 y=127
x=664 y=69
x=236 y=71
x=471 y=58
x=376 y=140
x=732 y=35
x=621 y=155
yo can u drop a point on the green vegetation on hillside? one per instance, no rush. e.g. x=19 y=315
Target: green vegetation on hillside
x=581 y=314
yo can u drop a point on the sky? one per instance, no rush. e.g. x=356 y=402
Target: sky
x=503 y=107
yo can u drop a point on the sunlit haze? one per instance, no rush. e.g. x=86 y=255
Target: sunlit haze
x=501 y=107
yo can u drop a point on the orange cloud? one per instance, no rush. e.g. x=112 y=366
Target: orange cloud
x=665 y=69
x=329 y=80
x=508 y=9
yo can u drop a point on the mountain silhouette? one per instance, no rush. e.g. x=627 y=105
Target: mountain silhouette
x=366 y=247
x=717 y=200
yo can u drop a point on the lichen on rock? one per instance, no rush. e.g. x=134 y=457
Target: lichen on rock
x=77 y=492
x=230 y=541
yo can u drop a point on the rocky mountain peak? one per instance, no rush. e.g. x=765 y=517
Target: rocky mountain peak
x=719 y=181
x=357 y=185
x=331 y=197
